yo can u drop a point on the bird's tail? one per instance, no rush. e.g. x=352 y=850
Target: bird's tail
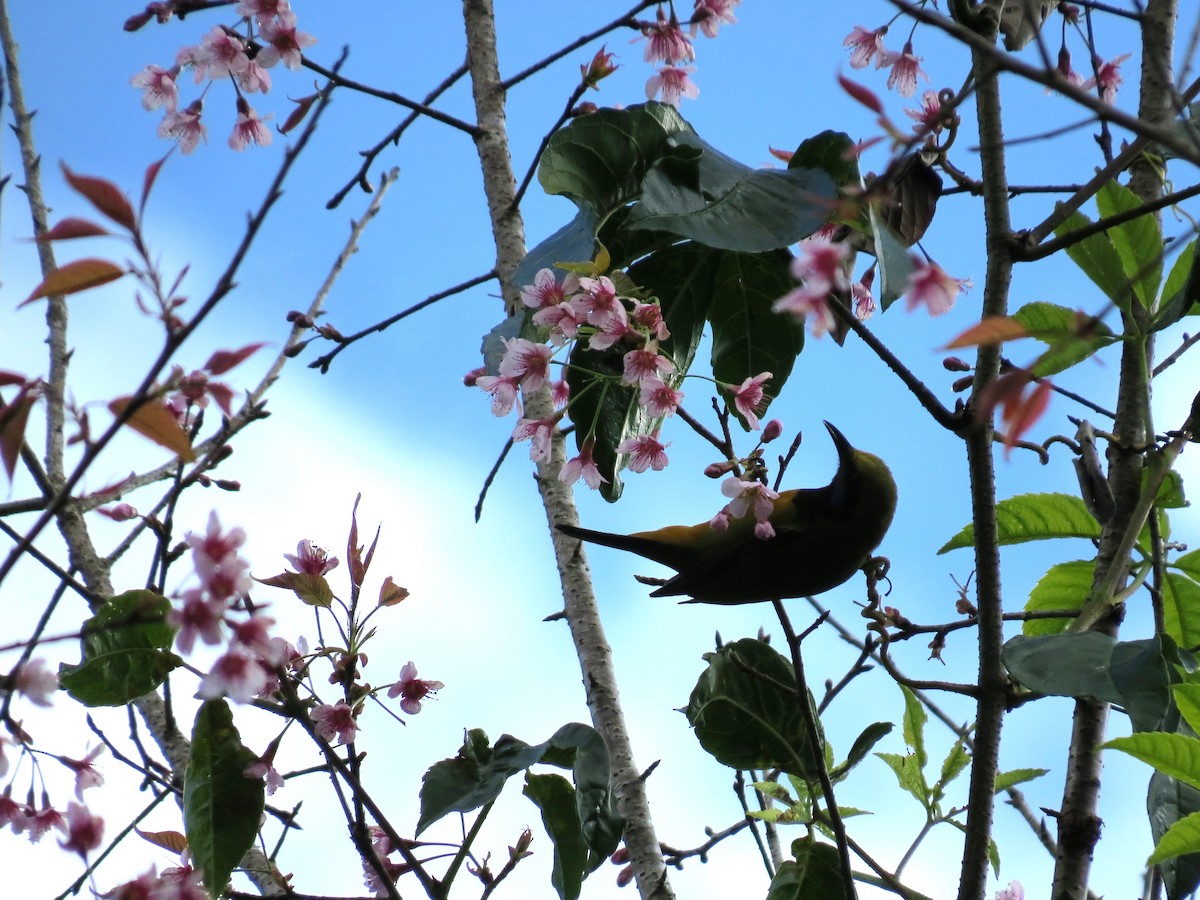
x=651 y=549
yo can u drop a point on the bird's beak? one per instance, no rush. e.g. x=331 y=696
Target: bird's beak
x=844 y=450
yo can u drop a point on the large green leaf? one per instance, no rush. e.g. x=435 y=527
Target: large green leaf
x=1143 y=675
x=221 y=805
x=745 y=712
x=603 y=408
x=125 y=651
x=1058 y=327
x=1098 y=259
x=1169 y=803
x=600 y=159
x=1138 y=242
x=683 y=278
x=833 y=153
x=1064 y=586
x=748 y=336
x=700 y=193
x=1181 y=293
x=555 y=797
x=1068 y=665
x=1181 y=608
x=815 y=874
x=1034 y=517
x=1177 y=755
x=479 y=772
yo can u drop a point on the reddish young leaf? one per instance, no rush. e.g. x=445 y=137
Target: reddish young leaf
x=224 y=360
x=989 y=330
x=863 y=95
x=154 y=420
x=13 y=419
x=104 y=195
x=785 y=155
x=8 y=378
x=391 y=593
x=296 y=116
x=149 y=178
x=80 y=275
x=72 y=228
x=222 y=394
x=168 y=840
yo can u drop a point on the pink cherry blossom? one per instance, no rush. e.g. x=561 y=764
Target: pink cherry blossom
x=220 y=55
x=198 y=616
x=158 y=87
x=583 y=466
x=34 y=681
x=255 y=79
x=222 y=572
x=822 y=263
x=527 y=362
x=253 y=635
x=504 y=392
x=1109 y=77
x=234 y=675
x=660 y=399
x=412 y=690
x=905 y=69
x=810 y=304
x=184 y=126
x=563 y=320
x=930 y=286
x=929 y=116
x=645 y=452
x=86 y=775
x=336 y=721
x=40 y=820
x=547 y=291
x=538 y=432
x=84 y=831
x=650 y=317
x=666 y=42
x=311 y=559
x=597 y=300
x=560 y=392
x=263 y=10
x=865 y=45
x=284 y=42
x=1014 y=891
x=11 y=812
x=710 y=15
x=748 y=398
x=673 y=83
x=863 y=301
x=1066 y=70
x=612 y=327
x=747 y=495
x=249 y=128
x=644 y=363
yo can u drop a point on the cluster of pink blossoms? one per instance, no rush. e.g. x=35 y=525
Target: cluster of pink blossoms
x=821 y=269
x=579 y=308
x=905 y=66
x=223 y=54
x=667 y=43
x=246 y=669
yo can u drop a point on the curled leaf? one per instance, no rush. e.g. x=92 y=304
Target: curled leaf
x=80 y=275
x=391 y=593
x=72 y=227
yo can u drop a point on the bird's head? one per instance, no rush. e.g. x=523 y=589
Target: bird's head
x=862 y=479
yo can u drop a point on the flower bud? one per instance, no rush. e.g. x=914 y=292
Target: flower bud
x=954 y=364
x=772 y=430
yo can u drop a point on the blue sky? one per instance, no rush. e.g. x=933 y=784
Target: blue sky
x=392 y=420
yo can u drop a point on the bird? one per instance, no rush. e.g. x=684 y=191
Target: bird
x=822 y=537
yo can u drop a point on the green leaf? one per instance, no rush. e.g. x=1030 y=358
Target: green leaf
x=744 y=710
x=601 y=159
x=816 y=874
x=683 y=278
x=700 y=193
x=909 y=775
x=1138 y=242
x=748 y=337
x=1143 y=676
x=555 y=797
x=221 y=805
x=1187 y=700
x=895 y=262
x=1058 y=327
x=1189 y=564
x=1181 y=608
x=1034 y=517
x=915 y=718
x=1181 y=293
x=474 y=777
x=1006 y=780
x=1098 y=259
x=870 y=736
x=1169 y=801
x=1073 y=664
x=952 y=766
x=1065 y=586
x=1176 y=755
x=604 y=409
x=830 y=151
x=125 y=651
